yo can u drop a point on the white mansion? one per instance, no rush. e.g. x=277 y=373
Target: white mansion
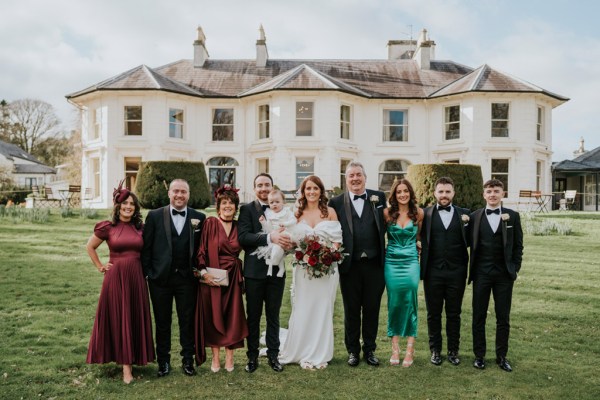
x=292 y=118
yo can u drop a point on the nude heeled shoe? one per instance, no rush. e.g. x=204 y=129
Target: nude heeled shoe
x=395 y=358
x=408 y=358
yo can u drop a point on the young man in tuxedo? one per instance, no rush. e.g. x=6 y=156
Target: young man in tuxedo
x=260 y=288
x=171 y=243
x=360 y=212
x=444 y=261
x=496 y=240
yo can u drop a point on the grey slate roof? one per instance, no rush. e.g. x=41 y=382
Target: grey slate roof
x=588 y=161
x=379 y=79
x=11 y=151
x=33 y=169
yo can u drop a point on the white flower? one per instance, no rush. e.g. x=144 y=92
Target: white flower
x=374 y=199
x=465 y=218
x=195 y=222
x=505 y=217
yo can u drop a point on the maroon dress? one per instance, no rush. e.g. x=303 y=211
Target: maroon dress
x=123 y=327
x=220 y=316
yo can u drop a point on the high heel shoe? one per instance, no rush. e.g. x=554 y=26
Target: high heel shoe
x=213 y=368
x=230 y=369
x=395 y=358
x=408 y=358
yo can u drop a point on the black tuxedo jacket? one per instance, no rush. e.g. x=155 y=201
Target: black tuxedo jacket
x=426 y=233
x=512 y=239
x=157 y=252
x=250 y=237
x=343 y=207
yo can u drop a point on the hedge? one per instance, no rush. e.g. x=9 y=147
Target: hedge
x=155 y=176
x=468 y=183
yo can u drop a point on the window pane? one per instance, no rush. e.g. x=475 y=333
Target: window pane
x=396 y=134
x=133 y=112
x=175 y=115
x=222 y=162
x=304 y=167
x=304 y=110
x=223 y=116
x=453 y=114
x=500 y=111
x=396 y=117
x=500 y=165
x=133 y=128
x=222 y=133
x=303 y=127
x=176 y=131
x=263 y=113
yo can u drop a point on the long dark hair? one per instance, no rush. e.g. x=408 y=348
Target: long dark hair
x=322 y=198
x=136 y=218
x=394 y=210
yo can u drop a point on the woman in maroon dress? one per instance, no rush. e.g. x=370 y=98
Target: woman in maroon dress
x=220 y=316
x=123 y=328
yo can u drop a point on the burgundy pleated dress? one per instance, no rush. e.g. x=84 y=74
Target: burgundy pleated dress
x=220 y=316
x=123 y=327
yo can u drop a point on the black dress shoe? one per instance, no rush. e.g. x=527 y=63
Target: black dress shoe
x=353 y=359
x=252 y=364
x=163 y=369
x=275 y=364
x=371 y=359
x=436 y=358
x=479 y=363
x=503 y=364
x=453 y=357
x=188 y=368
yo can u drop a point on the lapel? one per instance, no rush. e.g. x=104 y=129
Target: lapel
x=503 y=225
x=462 y=224
x=475 y=227
x=188 y=217
x=258 y=208
x=429 y=214
x=375 y=213
x=167 y=225
x=348 y=211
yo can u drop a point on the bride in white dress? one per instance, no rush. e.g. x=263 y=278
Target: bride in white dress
x=309 y=340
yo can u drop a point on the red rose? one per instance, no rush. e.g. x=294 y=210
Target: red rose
x=337 y=256
x=299 y=255
x=312 y=261
x=315 y=246
x=327 y=259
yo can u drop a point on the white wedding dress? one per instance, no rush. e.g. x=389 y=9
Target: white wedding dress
x=309 y=339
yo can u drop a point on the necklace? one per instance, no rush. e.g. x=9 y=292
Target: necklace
x=225 y=220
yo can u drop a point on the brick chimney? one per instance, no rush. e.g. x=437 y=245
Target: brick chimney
x=262 y=55
x=200 y=52
x=425 y=51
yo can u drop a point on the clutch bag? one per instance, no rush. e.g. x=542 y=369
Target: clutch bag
x=221 y=276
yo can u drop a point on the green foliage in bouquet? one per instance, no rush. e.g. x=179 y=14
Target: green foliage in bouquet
x=468 y=183
x=154 y=178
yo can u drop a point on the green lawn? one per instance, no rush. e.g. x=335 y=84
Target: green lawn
x=49 y=290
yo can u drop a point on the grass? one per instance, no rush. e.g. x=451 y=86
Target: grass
x=49 y=290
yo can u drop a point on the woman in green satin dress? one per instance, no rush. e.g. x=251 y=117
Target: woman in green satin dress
x=403 y=220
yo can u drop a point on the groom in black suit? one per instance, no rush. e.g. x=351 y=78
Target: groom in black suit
x=260 y=288
x=496 y=241
x=360 y=213
x=171 y=240
x=444 y=260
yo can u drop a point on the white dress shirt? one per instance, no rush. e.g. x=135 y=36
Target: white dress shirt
x=493 y=219
x=178 y=220
x=446 y=216
x=358 y=204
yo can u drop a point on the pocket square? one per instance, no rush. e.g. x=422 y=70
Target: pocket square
x=509 y=226
x=379 y=206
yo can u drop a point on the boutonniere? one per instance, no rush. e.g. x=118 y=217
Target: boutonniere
x=374 y=199
x=505 y=217
x=465 y=218
x=195 y=222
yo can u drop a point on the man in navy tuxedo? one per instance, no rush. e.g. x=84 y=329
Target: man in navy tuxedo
x=171 y=241
x=496 y=240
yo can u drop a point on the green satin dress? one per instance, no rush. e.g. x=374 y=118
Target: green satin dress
x=402 y=273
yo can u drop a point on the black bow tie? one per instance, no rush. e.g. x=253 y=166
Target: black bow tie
x=265 y=206
x=362 y=196
x=447 y=208
x=175 y=212
x=496 y=211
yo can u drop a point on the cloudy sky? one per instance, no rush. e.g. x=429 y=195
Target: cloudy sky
x=52 y=48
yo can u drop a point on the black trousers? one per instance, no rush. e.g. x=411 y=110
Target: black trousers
x=268 y=291
x=500 y=285
x=362 y=287
x=444 y=289
x=184 y=291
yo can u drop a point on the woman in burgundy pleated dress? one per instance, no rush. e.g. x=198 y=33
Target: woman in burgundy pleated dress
x=220 y=316
x=122 y=330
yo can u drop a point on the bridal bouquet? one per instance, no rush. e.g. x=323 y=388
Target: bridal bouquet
x=317 y=256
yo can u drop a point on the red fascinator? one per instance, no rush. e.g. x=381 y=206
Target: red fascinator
x=120 y=194
x=226 y=188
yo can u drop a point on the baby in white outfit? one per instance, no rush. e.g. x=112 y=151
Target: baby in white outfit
x=276 y=216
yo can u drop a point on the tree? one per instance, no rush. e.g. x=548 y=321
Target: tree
x=54 y=150
x=29 y=120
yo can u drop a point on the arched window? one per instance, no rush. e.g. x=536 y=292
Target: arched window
x=390 y=170
x=221 y=170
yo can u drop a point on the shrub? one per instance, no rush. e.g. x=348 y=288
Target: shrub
x=534 y=226
x=14 y=193
x=154 y=178
x=19 y=214
x=468 y=183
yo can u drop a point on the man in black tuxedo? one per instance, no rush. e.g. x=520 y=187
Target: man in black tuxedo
x=496 y=240
x=444 y=260
x=360 y=213
x=171 y=240
x=260 y=288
